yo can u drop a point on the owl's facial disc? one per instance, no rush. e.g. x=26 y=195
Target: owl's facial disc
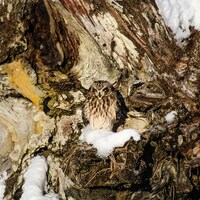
x=100 y=89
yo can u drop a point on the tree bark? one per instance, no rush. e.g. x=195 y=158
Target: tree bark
x=50 y=54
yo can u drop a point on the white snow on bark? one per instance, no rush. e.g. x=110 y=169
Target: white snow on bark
x=105 y=141
x=170 y=116
x=3 y=178
x=180 y=15
x=36 y=181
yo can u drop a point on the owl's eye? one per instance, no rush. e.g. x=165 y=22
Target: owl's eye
x=105 y=89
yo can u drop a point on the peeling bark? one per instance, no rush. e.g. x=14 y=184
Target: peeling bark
x=51 y=52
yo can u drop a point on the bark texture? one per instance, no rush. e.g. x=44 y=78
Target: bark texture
x=50 y=54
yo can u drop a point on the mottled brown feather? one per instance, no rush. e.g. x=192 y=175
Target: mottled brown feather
x=101 y=106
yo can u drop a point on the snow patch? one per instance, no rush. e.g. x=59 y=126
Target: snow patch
x=3 y=178
x=36 y=181
x=179 y=15
x=170 y=116
x=105 y=141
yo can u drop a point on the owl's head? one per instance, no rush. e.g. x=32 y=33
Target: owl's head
x=101 y=88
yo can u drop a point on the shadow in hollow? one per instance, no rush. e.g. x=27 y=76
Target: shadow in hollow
x=122 y=112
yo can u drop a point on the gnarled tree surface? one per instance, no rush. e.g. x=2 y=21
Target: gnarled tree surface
x=50 y=53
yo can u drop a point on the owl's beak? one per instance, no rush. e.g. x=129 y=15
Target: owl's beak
x=100 y=94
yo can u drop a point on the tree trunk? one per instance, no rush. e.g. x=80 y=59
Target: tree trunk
x=50 y=54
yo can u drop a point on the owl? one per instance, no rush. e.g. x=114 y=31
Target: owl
x=101 y=106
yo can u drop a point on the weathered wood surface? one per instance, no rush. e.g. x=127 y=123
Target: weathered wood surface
x=50 y=53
